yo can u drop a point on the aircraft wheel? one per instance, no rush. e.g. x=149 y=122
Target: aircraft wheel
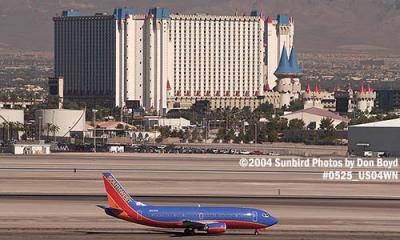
x=188 y=231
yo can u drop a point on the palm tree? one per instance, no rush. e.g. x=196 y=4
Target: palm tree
x=6 y=125
x=13 y=97
x=10 y=131
x=19 y=127
x=2 y=131
x=30 y=130
x=54 y=129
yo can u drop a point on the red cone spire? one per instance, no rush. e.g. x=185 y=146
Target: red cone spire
x=308 y=89
x=316 y=88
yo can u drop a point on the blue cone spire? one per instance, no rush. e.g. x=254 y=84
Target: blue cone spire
x=288 y=66
x=293 y=62
x=284 y=65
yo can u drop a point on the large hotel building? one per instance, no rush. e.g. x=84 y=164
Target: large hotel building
x=166 y=60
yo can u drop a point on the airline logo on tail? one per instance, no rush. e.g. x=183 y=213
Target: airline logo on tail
x=119 y=189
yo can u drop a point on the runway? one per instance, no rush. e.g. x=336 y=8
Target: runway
x=42 y=197
x=142 y=234
x=179 y=174
x=77 y=217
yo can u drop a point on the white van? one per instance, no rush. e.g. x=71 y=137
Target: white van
x=367 y=154
x=116 y=149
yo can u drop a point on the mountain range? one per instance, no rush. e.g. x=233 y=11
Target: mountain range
x=320 y=25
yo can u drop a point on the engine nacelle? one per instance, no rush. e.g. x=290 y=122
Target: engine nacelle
x=216 y=228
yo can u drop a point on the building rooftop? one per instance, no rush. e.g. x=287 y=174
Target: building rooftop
x=165 y=13
x=282 y=19
x=387 y=123
x=320 y=112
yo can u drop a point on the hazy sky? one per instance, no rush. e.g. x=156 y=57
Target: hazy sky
x=319 y=24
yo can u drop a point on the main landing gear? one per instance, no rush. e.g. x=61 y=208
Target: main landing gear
x=189 y=231
x=256 y=232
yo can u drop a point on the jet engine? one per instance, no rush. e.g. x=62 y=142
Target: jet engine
x=215 y=228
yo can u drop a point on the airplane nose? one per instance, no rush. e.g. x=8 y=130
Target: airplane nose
x=273 y=221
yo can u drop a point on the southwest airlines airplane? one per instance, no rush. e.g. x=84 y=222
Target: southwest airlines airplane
x=208 y=219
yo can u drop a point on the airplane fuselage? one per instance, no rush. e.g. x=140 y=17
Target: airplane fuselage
x=173 y=216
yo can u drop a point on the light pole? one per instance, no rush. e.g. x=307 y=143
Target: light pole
x=40 y=126
x=255 y=134
x=94 y=129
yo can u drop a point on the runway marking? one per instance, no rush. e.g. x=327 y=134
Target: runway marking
x=159 y=170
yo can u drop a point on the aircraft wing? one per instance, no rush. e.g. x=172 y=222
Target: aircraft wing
x=198 y=224
x=193 y=224
x=209 y=226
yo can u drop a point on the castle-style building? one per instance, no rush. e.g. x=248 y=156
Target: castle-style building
x=162 y=61
x=340 y=100
x=318 y=98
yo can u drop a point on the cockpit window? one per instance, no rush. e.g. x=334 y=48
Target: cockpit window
x=265 y=214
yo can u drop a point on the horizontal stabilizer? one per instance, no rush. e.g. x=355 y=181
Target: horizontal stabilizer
x=110 y=211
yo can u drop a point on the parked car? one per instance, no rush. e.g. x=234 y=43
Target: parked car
x=257 y=152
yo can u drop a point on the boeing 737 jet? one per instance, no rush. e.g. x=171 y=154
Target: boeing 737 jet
x=208 y=219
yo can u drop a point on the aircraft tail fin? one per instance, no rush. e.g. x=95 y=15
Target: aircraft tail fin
x=117 y=196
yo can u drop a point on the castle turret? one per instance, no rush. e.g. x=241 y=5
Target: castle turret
x=280 y=32
x=351 y=98
x=288 y=73
x=308 y=97
x=296 y=71
x=365 y=98
x=313 y=98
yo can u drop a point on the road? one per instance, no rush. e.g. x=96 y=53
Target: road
x=282 y=148
x=42 y=197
